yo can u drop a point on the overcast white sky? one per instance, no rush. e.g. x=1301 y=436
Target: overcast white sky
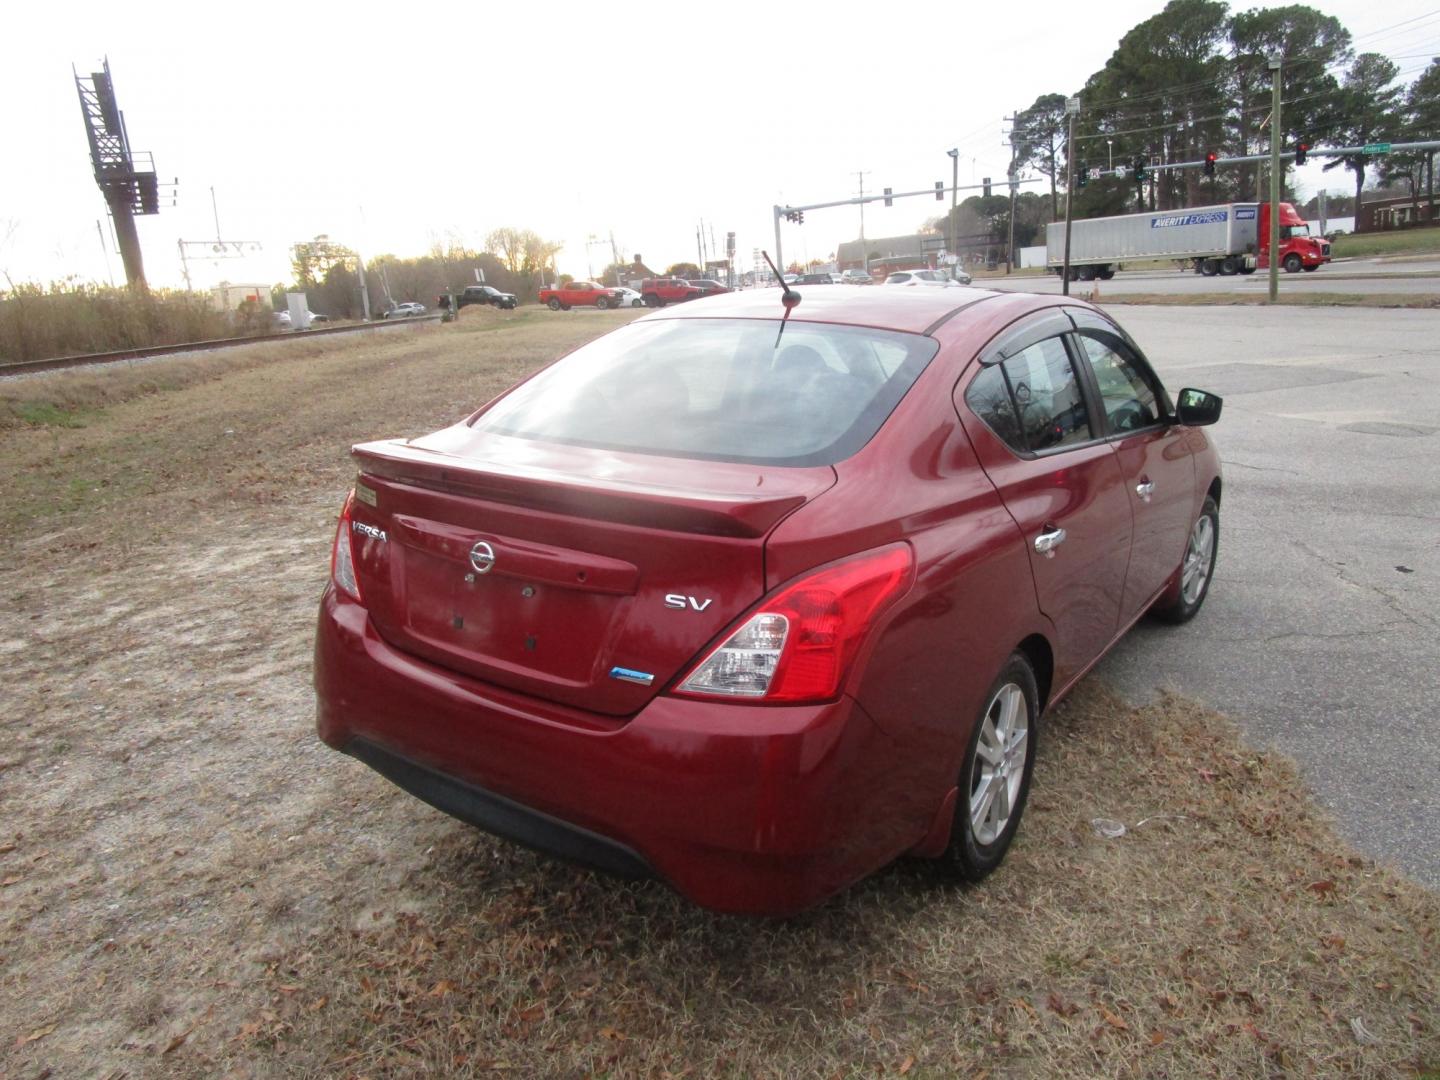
x=386 y=127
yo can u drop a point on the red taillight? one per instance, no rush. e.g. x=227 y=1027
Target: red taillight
x=342 y=557
x=797 y=645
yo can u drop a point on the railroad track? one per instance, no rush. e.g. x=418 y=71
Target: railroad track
x=56 y=363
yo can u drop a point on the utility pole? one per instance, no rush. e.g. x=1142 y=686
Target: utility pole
x=1072 y=109
x=1275 y=130
x=779 y=255
x=1010 y=249
x=864 y=255
x=954 y=195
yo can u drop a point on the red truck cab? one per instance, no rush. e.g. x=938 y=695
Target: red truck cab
x=1299 y=250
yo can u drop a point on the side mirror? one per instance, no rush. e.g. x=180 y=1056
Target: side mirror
x=1197 y=408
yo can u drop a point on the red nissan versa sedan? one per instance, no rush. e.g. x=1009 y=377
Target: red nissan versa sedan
x=757 y=605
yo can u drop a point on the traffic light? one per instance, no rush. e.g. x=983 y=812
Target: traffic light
x=1084 y=177
x=939 y=190
x=797 y=216
x=1210 y=163
x=888 y=201
x=1301 y=149
x=1141 y=170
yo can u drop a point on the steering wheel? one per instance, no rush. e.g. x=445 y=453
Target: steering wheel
x=1129 y=416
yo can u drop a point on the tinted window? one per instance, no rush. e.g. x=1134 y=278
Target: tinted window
x=899 y=278
x=1047 y=396
x=720 y=389
x=1130 y=400
x=989 y=398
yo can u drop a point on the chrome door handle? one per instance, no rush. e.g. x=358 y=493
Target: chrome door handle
x=1048 y=541
x=1145 y=489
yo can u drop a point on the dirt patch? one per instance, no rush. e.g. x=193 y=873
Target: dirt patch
x=191 y=885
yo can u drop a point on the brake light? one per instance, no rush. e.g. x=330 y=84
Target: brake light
x=342 y=558
x=797 y=645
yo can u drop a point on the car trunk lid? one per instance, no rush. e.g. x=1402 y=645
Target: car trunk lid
x=581 y=576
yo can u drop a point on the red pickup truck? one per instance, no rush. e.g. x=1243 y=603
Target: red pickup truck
x=580 y=294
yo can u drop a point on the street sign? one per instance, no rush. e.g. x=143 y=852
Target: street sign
x=1096 y=173
x=1377 y=148
x=1122 y=171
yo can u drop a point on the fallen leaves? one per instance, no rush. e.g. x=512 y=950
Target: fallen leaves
x=35 y=1036
x=1114 y=1020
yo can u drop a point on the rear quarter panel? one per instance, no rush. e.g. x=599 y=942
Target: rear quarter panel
x=928 y=664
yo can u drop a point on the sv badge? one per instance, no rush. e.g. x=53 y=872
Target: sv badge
x=676 y=600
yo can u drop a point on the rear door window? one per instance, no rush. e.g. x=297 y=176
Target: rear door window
x=720 y=389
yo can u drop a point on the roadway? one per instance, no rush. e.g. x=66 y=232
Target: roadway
x=1319 y=635
x=1350 y=276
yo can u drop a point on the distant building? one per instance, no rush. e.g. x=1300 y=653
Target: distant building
x=1395 y=212
x=890 y=253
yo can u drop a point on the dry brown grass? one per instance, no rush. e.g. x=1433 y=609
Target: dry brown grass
x=192 y=886
x=68 y=318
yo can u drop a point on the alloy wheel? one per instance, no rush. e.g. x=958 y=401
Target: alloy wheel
x=1199 y=559
x=999 y=767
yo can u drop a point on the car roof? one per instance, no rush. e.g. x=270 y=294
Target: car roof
x=911 y=310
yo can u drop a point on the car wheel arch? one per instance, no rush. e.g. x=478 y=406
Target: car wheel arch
x=1036 y=649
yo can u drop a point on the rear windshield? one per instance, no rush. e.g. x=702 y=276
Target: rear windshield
x=721 y=390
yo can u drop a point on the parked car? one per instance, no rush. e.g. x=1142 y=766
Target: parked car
x=920 y=277
x=855 y=276
x=789 y=279
x=961 y=275
x=816 y=279
x=281 y=320
x=709 y=286
x=629 y=297
x=579 y=294
x=657 y=292
x=404 y=310
x=481 y=294
x=757 y=612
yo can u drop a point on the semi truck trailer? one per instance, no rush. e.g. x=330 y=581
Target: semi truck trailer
x=1233 y=238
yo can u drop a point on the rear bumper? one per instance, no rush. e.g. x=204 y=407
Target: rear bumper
x=740 y=808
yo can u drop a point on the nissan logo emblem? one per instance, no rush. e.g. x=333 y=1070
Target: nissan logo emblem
x=482 y=557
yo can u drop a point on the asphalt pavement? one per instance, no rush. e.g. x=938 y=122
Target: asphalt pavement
x=1321 y=632
x=1350 y=276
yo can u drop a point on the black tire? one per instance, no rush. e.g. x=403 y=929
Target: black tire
x=1181 y=603
x=1105 y=273
x=1247 y=270
x=650 y=300
x=977 y=849
x=1229 y=266
x=637 y=303
x=1087 y=273
x=1312 y=269
x=602 y=302
x=553 y=303
x=1292 y=263
x=1209 y=267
